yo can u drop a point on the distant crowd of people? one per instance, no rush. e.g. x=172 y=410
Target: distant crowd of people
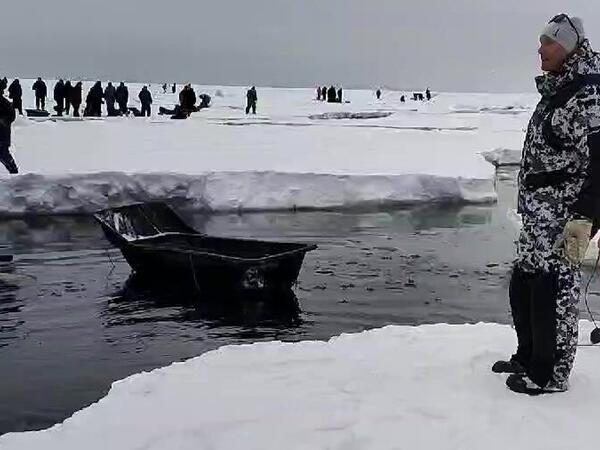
x=68 y=99
x=330 y=95
x=416 y=96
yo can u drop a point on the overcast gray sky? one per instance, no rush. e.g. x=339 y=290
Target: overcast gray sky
x=460 y=45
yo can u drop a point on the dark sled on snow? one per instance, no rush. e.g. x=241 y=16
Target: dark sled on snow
x=159 y=245
x=37 y=113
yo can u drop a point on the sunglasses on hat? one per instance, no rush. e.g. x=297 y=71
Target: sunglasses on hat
x=560 y=18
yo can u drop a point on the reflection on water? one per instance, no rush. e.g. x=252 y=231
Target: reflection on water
x=10 y=307
x=130 y=304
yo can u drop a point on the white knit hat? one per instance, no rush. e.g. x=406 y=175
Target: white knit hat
x=567 y=31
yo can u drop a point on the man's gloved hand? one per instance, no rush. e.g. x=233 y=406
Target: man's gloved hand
x=576 y=236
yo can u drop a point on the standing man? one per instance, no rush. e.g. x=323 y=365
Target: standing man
x=122 y=96
x=41 y=91
x=68 y=89
x=559 y=200
x=76 y=96
x=7 y=117
x=59 y=97
x=146 y=100
x=252 y=99
x=110 y=95
x=15 y=93
x=174 y=88
x=93 y=101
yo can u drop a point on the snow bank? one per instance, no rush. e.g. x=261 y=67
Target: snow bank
x=390 y=152
x=503 y=157
x=398 y=387
x=232 y=191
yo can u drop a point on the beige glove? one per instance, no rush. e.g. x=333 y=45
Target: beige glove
x=576 y=236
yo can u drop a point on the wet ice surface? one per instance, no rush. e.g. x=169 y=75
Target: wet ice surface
x=71 y=322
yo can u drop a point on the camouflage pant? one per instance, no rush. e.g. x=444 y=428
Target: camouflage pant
x=544 y=294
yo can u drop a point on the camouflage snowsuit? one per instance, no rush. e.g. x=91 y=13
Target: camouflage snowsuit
x=560 y=155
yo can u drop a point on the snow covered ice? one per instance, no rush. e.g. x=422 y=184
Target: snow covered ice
x=394 y=388
x=222 y=160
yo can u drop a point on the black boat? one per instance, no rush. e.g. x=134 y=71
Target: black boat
x=159 y=245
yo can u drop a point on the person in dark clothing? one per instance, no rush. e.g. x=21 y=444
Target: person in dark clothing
x=340 y=98
x=428 y=94
x=378 y=94
x=15 y=93
x=324 y=93
x=59 y=97
x=164 y=86
x=252 y=99
x=68 y=89
x=402 y=99
x=110 y=95
x=174 y=88
x=41 y=92
x=75 y=97
x=187 y=99
x=331 y=95
x=204 y=101
x=93 y=101
x=319 y=93
x=146 y=100
x=7 y=117
x=122 y=97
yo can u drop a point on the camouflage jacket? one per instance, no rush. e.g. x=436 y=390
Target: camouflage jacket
x=560 y=168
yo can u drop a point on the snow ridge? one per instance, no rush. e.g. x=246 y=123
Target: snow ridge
x=232 y=191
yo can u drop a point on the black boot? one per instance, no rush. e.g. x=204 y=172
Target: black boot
x=510 y=366
x=521 y=384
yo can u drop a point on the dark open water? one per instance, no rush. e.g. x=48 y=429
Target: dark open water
x=72 y=322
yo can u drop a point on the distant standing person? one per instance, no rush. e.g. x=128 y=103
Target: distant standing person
x=187 y=99
x=15 y=93
x=331 y=95
x=324 y=93
x=174 y=88
x=252 y=99
x=7 y=117
x=146 y=100
x=75 y=97
x=319 y=93
x=164 y=86
x=110 y=95
x=93 y=101
x=41 y=92
x=68 y=89
x=340 y=97
x=59 y=97
x=378 y=94
x=122 y=97
x=402 y=99
x=428 y=94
